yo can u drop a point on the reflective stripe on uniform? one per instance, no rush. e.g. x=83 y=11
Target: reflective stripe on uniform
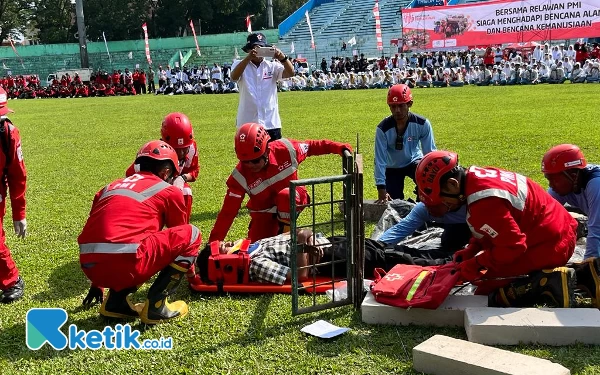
x=141 y=196
x=108 y=248
x=517 y=201
x=473 y=231
x=195 y=234
x=271 y=210
x=273 y=180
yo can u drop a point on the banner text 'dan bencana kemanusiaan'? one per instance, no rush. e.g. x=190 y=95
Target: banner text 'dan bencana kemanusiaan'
x=501 y=21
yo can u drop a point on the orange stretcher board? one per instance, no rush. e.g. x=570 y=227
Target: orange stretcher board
x=321 y=285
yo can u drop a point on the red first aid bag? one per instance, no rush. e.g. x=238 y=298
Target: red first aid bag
x=407 y=285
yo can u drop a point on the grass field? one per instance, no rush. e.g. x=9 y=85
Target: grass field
x=73 y=147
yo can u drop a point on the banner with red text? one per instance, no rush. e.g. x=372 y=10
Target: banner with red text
x=500 y=21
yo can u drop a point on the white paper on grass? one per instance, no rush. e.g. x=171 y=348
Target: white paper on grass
x=324 y=330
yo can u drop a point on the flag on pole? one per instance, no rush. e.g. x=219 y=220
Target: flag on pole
x=378 y=26
x=106 y=45
x=292 y=48
x=130 y=55
x=352 y=41
x=145 y=28
x=180 y=59
x=12 y=44
x=4 y=66
x=195 y=39
x=312 y=39
x=249 y=23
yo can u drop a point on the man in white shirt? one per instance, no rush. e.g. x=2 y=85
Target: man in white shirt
x=215 y=73
x=257 y=81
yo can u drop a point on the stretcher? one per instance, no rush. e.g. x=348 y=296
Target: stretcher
x=320 y=285
x=229 y=273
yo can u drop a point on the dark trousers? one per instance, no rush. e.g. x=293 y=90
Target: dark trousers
x=151 y=87
x=275 y=134
x=394 y=180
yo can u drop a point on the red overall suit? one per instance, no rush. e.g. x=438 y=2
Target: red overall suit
x=268 y=189
x=517 y=224
x=122 y=244
x=15 y=181
x=188 y=166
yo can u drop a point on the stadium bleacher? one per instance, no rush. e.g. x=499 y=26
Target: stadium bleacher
x=338 y=21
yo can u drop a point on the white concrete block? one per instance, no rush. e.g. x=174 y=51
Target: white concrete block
x=450 y=313
x=372 y=211
x=510 y=326
x=442 y=355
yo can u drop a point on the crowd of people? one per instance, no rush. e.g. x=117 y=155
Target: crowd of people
x=494 y=66
x=578 y=63
x=509 y=236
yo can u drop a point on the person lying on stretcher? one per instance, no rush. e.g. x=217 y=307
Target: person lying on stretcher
x=270 y=258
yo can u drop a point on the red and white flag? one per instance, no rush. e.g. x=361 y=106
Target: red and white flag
x=12 y=44
x=249 y=23
x=312 y=39
x=378 y=26
x=195 y=38
x=145 y=28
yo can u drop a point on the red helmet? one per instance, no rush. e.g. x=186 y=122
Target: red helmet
x=561 y=158
x=251 y=141
x=429 y=171
x=399 y=94
x=4 y=102
x=177 y=130
x=159 y=150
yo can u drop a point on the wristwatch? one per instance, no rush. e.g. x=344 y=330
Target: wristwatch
x=285 y=57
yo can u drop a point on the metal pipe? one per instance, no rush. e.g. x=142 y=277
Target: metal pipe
x=83 y=53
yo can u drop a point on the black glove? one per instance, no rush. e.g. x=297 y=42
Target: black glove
x=94 y=296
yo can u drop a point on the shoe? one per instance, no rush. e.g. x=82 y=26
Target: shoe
x=551 y=287
x=156 y=308
x=118 y=305
x=588 y=278
x=15 y=292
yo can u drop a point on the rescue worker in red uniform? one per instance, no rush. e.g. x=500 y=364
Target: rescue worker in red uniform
x=518 y=229
x=177 y=131
x=264 y=172
x=122 y=244
x=14 y=177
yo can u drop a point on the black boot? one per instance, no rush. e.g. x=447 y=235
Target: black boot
x=551 y=287
x=157 y=308
x=588 y=278
x=118 y=305
x=15 y=292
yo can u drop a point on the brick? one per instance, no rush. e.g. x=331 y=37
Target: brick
x=451 y=313
x=511 y=326
x=442 y=355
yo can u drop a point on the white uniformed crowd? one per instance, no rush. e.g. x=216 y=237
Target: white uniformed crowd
x=543 y=64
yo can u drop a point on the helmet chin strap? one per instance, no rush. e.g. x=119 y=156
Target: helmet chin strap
x=574 y=181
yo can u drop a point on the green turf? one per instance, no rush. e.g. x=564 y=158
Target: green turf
x=73 y=147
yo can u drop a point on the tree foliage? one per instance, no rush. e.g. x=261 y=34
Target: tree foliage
x=55 y=18
x=122 y=20
x=14 y=17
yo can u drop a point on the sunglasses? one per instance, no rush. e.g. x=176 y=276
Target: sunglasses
x=253 y=161
x=400 y=142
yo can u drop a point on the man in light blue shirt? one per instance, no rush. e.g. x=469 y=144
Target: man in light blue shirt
x=401 y=140
x=575 y=182
x=456 y=233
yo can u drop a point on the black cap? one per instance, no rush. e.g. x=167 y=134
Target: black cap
x=257 y=39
